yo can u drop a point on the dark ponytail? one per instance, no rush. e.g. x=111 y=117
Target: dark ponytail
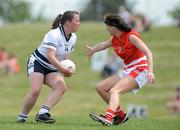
x=61 y=19
x=57 y=22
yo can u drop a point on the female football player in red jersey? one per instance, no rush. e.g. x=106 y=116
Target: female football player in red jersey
x=138 y=70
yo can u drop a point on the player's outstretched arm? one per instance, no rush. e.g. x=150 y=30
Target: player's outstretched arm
x=99 y=47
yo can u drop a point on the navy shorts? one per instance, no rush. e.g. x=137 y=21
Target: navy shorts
x=34 y=66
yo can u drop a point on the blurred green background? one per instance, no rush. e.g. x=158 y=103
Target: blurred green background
x=23 y=24
x=81 y=97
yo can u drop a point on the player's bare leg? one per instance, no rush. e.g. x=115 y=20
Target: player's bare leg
x=58 y=86
x=36 y=81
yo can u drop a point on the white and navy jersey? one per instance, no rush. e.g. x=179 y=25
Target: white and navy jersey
x=57 y=40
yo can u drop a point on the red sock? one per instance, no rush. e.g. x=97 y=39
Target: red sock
x=119 y=112
x=110 y=114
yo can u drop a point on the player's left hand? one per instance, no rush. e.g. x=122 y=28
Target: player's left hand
x=151 y=77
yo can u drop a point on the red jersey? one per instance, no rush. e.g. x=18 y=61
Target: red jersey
x=132 y=56
x=125 y=49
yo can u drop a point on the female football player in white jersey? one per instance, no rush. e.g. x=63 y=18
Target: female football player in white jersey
x=44 y=66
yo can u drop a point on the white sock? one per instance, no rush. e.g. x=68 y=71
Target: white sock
x=43 y=109
x=22 y=116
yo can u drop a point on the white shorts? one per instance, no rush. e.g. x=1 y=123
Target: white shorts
x=141 y=78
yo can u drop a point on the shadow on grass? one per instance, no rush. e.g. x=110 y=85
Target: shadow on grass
x=58 y=123
x=78 y=124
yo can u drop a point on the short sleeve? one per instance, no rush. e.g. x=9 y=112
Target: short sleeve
x=50 y=40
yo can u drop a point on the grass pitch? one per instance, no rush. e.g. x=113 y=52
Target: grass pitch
x=67 y=122
x=81 y=98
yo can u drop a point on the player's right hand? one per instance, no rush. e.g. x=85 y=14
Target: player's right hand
x=89 y=51
x=66 y=72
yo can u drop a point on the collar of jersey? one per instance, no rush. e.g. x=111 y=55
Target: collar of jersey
x=63 y=33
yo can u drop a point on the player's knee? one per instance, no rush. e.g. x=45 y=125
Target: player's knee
x=64 y=88
x=61 y=89
x=114 y=91
x=99 y=87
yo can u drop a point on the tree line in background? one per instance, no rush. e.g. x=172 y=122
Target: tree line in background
x=97 y=8
x=14 y=11
x=175 y=14
x=17 y=11
x=20 y=11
